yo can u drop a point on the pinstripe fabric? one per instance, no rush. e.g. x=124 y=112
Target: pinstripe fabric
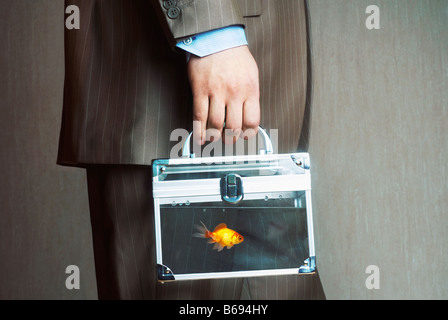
x=278 y=42
x=122 y=232
x=126 y=89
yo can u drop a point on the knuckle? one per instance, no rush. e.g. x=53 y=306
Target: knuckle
x=215 y=123
x=200 y=115
x=233 y=125
x=232 y=132
x=251 y=123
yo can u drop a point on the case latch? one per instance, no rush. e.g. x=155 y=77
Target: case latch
x=232 y=188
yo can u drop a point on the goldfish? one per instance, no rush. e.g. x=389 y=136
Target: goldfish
x=221 y=236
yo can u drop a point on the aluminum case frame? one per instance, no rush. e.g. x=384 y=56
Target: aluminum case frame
x=189 y=191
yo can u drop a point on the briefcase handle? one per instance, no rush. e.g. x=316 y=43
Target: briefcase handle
x=267 y=144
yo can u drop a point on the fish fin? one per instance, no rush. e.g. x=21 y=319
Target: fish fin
x=218 y=247
x=202 y=231
x=230 y=247
x=198 y=235
x=220 y=226
x=212 y=240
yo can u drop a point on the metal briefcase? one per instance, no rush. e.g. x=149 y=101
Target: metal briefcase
x=265 y=198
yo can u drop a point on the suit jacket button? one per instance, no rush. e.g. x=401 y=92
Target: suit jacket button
x=173 y=13
x=169 y=4
x=188 y=41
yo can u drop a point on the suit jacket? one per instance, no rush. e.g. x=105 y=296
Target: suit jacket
x=126 y=87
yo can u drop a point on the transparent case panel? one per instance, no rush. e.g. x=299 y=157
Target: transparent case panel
x=274 y=230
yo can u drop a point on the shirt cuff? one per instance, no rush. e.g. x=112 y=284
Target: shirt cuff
x=204 y=44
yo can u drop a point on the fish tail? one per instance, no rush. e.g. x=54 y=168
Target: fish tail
x=203 y=232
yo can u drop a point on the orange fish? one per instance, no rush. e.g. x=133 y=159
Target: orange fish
x=221 y=236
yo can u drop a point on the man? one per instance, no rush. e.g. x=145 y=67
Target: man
x=135 y=71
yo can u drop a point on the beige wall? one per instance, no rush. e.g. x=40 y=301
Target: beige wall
x=378 y=146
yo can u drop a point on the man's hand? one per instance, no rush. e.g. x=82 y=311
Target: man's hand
x=225 y=87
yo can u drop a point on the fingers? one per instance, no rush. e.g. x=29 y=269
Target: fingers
x=208 y=119
x=251 y=117
x=241 y=120
x=216 y=118
x=200 y=116
x=234 y=121
x=225 y=88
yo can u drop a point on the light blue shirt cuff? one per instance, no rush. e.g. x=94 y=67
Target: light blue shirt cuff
x=204 y=44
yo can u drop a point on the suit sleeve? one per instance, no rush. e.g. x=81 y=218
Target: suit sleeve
x=183 y=18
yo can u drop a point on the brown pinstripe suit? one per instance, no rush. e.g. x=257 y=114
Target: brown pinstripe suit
x=126 y=89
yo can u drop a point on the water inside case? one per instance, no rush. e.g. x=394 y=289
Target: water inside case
x=265 y=198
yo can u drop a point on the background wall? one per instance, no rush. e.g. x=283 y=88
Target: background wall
x=378 y=146
x=44 y=221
